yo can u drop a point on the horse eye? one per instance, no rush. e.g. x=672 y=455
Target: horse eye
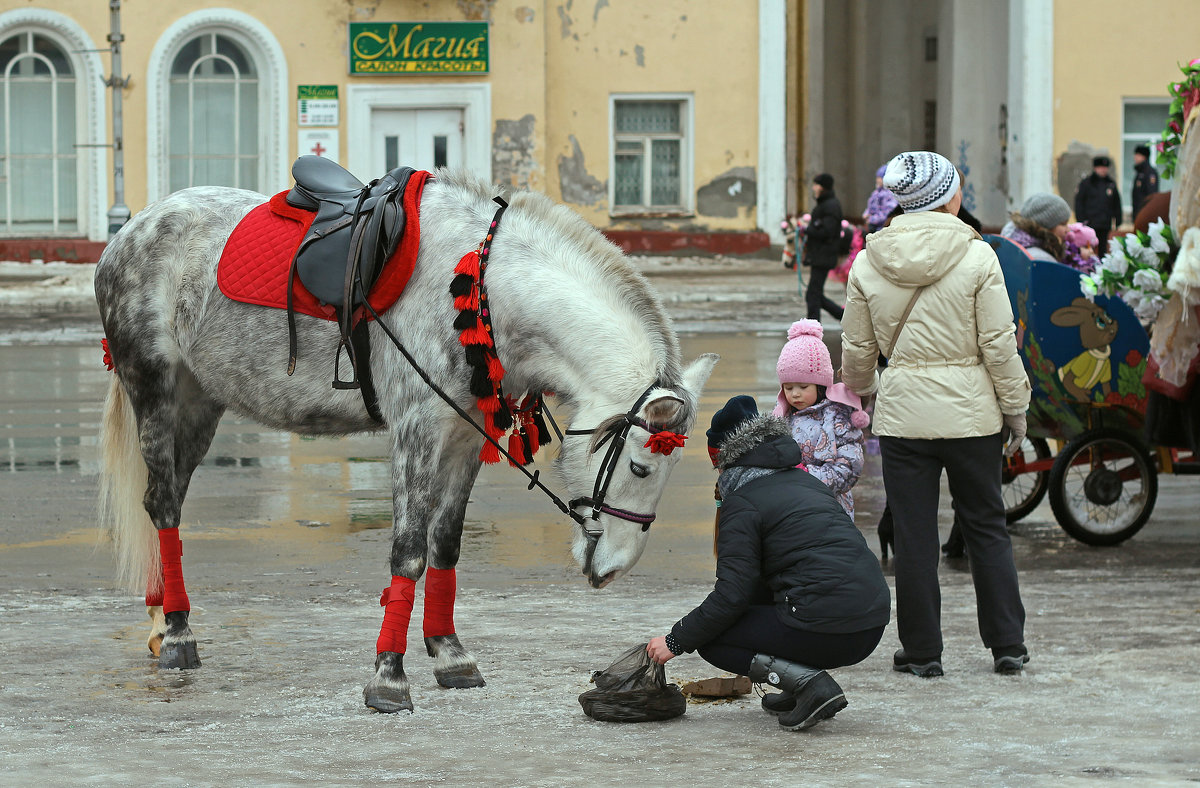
x=640 y=471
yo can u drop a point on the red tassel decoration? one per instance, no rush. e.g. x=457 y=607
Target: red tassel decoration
x=489 y=453
x=469 y=264
x=516 y=449
x=489 y=406
x=531 y=430
x=475 y=335
x=495 y=369
x=468 y=302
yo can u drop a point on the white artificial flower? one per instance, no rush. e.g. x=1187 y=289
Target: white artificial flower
x=1115 y=262
x=1133 y=298
x=1148 y=281
x=1159 y=241
x=1114 y=247
x=1087 y=286
x=1149 y=308
x=1133 y=246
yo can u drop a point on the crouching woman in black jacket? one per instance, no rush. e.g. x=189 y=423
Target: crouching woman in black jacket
x=798 y=591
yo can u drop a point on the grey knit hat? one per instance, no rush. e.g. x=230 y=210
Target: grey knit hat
x=1046 y=209
x=921 y=180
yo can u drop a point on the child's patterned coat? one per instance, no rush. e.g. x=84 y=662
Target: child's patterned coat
x=832 y=447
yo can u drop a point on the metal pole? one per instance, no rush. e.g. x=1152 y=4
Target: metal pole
x=118 y=214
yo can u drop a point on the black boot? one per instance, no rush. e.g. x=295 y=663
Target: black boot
x=815 y=695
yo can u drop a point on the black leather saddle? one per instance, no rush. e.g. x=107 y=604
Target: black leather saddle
x=356 y=230
x=358 y=226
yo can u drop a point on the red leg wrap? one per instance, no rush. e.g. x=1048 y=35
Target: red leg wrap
x=440 y=585
x=154 y=591
x=397 y=602
x=174 y=598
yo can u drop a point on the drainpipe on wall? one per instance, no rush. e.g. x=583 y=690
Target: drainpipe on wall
x=118 y=214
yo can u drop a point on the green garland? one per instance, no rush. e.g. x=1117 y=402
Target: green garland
x=1185 y=94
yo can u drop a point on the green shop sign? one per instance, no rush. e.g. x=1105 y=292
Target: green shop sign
x=418 y=47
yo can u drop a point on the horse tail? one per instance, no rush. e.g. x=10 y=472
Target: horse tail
x=123 y=476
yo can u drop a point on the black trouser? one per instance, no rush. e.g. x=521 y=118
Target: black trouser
x=814 y=296
x=912 y=472
x=762 y=631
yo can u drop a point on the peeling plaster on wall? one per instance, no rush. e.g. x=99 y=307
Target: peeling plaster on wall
x=596 y=13
x=365 y=11
x=524 y=14
x=730 y=191
x=576 y=185
x=1075 y=164
x=565 y=16
x=513 y=162
x=640 y=52
x=476 y=10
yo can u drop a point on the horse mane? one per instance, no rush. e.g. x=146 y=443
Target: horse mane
x=581 y=250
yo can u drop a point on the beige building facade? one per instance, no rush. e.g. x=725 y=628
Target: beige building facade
x=666 y=124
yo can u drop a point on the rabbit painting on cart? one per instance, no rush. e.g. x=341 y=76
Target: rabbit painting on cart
x=1097 y=329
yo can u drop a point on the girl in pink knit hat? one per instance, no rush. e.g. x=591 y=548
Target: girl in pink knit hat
x=826 y=420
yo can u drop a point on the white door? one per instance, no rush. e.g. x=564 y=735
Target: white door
x=420 y=138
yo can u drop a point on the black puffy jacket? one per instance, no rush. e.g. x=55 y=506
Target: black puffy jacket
x=824 y=232
x=788 y=532
x=1098 y=203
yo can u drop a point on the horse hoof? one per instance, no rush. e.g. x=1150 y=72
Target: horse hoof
x=462 y=678
x=386 y=705
x=178 y=655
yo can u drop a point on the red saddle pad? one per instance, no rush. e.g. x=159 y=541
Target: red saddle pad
x=255 y=262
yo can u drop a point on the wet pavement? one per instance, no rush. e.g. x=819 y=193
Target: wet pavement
x=286 y=552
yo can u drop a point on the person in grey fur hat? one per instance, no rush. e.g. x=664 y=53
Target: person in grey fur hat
x=1040 y=226
x=798 y=591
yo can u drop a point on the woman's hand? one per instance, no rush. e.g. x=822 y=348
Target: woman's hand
x=658 y=651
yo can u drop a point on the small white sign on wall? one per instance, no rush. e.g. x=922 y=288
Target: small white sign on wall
x=318 y=142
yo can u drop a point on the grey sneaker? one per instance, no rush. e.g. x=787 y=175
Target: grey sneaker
x=1009 y=659
x=925 y=667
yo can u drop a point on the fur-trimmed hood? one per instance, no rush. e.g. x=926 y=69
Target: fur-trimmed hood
x=739 y=447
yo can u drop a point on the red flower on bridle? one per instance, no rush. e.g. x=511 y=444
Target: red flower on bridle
x=665 y=442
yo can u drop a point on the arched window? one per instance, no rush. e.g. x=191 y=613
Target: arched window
x=214 y=112
x=39 y=191
x=217 y=111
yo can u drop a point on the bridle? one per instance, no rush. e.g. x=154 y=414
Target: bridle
x=615 y=437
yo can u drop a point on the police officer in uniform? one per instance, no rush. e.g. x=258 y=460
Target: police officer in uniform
x=1098 y=203
x=1145 y=178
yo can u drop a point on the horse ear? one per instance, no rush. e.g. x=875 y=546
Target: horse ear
x=696 y=374
x=663 y=410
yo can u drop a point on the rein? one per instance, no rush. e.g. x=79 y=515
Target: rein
x=615 y=436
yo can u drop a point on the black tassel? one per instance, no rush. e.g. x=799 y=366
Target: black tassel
x=481 y=386
x=465 y=320
x=461 y=285
x=503 y=418
x=539 y=421
x=529 y=450
x=476 y=356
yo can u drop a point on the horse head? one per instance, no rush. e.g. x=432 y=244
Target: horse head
x=616 y=471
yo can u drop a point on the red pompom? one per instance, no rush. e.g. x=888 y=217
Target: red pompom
x=469 y=264
x=495 y=369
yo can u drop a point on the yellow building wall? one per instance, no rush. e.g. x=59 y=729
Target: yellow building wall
x=705 y=47
x=1109 y=50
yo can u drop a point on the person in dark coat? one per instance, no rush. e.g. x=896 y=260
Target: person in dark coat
x=821 y=239
x=1098 y=203
x=798 y=592
x=1145 y=178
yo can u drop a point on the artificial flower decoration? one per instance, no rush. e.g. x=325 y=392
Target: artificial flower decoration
x=1133 y=271
x=108 y=362
x=665 y=442
x=1185 y=95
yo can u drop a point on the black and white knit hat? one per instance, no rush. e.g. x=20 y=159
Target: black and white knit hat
x=921 y=180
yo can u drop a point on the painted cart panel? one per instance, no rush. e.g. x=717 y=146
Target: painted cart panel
x=1079 y=354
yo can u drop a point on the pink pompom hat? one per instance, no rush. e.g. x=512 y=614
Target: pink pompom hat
x=805 y=359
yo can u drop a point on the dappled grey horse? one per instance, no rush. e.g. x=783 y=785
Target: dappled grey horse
x=568 y=315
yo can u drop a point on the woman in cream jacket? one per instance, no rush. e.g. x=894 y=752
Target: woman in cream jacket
x=953 y=383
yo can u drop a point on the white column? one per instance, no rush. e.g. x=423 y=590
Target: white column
x=1030 y=99
x=813 y=65
x=772 y=116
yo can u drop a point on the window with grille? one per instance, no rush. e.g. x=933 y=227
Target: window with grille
x=1143 y=123
x=649 y=155
x=213 y=129
x=39 y=193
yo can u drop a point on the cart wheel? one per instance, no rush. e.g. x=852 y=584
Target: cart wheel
x=1024 y=489
x=1103 y=485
